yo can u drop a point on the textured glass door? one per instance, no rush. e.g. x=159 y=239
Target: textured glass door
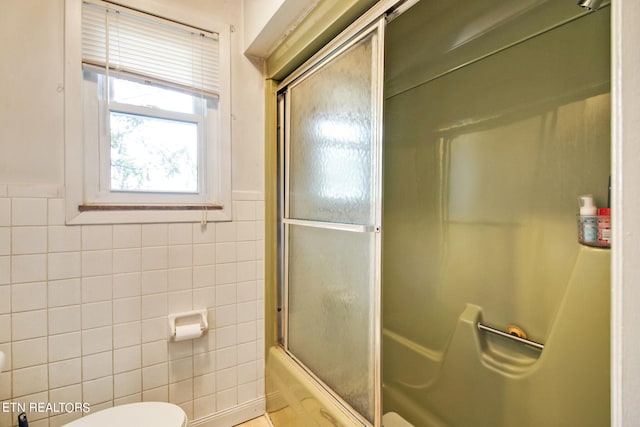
x=330 y=220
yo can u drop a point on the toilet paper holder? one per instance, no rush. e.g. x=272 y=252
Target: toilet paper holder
x=187 y=318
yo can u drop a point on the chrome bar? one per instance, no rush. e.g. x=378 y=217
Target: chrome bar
x=534 y=344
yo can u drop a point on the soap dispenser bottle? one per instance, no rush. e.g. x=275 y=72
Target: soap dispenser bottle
x=587 y=220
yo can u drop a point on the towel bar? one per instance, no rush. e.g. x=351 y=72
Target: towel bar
x=524 y=341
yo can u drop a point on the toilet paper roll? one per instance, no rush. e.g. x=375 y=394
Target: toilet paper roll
x=187 y=332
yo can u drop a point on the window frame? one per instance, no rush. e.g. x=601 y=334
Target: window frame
x=84 y=201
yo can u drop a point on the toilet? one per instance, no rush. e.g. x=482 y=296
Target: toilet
x=143 y=414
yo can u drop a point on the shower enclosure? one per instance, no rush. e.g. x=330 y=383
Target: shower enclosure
x=393 y=294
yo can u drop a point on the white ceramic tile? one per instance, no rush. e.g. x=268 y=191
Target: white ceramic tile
x=226 y=252
x=180 y=301
x=244 y=211
x=127 y=383
x=204 y=406
x=260 y=270
x=226 y=273
x=28 y=268
x=29 y=353
x=187 y=407
x=5 y=212
x=204 y=385
x=181 y=391
x=204 y=363
x=64 y=265
x=247 y=251
x=127 y=334
x=36 y=418
x=18 y=190
x=127 y=359
x=204 y=254
x=226 y=378
x=155 y=376
x=247 y=291
x=56 y=211
x=154 y=258
x=64 y=346
x=180 y=256
x=97 y=340
x=246 y=271
x=154 y=281
x=204 y=297
x=28 y=240
x=97 y=366
x=180 y=234
x=247 y=392
x=204 y=276
x=246 y=352
x=225 y=316
x=226 y=399
x=126 y=260
x=64 y=319
x=97 y=288
x=127 y=236
x=29 y=380
x=29 y=211
x=5 y=328
x=180 y=279
x=181 y=349
x=247 y=372
x=72 y=393
x=125 y=400
x=126 y=285
x=97 y=391
x=247 y=312
x=154 y=235
x=247 y=332
x=64 y=292
x=154 y=306
x=154 y=329
x=126 y=310
x=226 y=232
x=226 y=336
x=226 y=294
x=97 y=263
x=30 y=324
x=159 y=394
x=5 y=241
x=95 y=237
x=5 y=299
x=97 y=314
x=154 y=352
x=28 y=296
x=246 y=231
x=5 y=270
x=204 y=233
x=226 y=358
x=181 y=369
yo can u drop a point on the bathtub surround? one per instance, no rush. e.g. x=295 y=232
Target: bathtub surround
x=83 y=310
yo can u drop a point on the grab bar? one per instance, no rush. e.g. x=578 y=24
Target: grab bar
x=524 y=341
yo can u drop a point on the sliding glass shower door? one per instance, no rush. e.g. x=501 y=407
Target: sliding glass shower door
x=330 y=122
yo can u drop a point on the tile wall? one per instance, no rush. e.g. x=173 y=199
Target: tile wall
x=83 y=310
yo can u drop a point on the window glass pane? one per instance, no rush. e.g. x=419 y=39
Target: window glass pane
x=152 y=154
x=148 y=95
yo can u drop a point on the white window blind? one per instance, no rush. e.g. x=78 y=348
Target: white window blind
x=150 y=47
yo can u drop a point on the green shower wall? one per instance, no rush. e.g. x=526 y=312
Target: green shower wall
x=492 y=130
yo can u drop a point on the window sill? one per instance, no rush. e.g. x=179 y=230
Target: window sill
x=116 y=207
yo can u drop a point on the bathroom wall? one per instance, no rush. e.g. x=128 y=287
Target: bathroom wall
x=83 y=308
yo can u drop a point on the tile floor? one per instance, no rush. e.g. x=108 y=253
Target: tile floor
x=256 y=422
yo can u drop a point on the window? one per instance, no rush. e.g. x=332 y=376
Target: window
x=154 y=104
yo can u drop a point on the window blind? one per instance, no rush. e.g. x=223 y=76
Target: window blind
x=122 y=39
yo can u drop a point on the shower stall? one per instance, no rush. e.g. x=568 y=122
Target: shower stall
x=429 y=271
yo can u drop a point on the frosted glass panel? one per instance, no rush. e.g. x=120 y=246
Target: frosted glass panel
x=331 y=310
x=330 y=140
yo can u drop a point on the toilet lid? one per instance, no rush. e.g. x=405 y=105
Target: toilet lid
x=143 y=414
